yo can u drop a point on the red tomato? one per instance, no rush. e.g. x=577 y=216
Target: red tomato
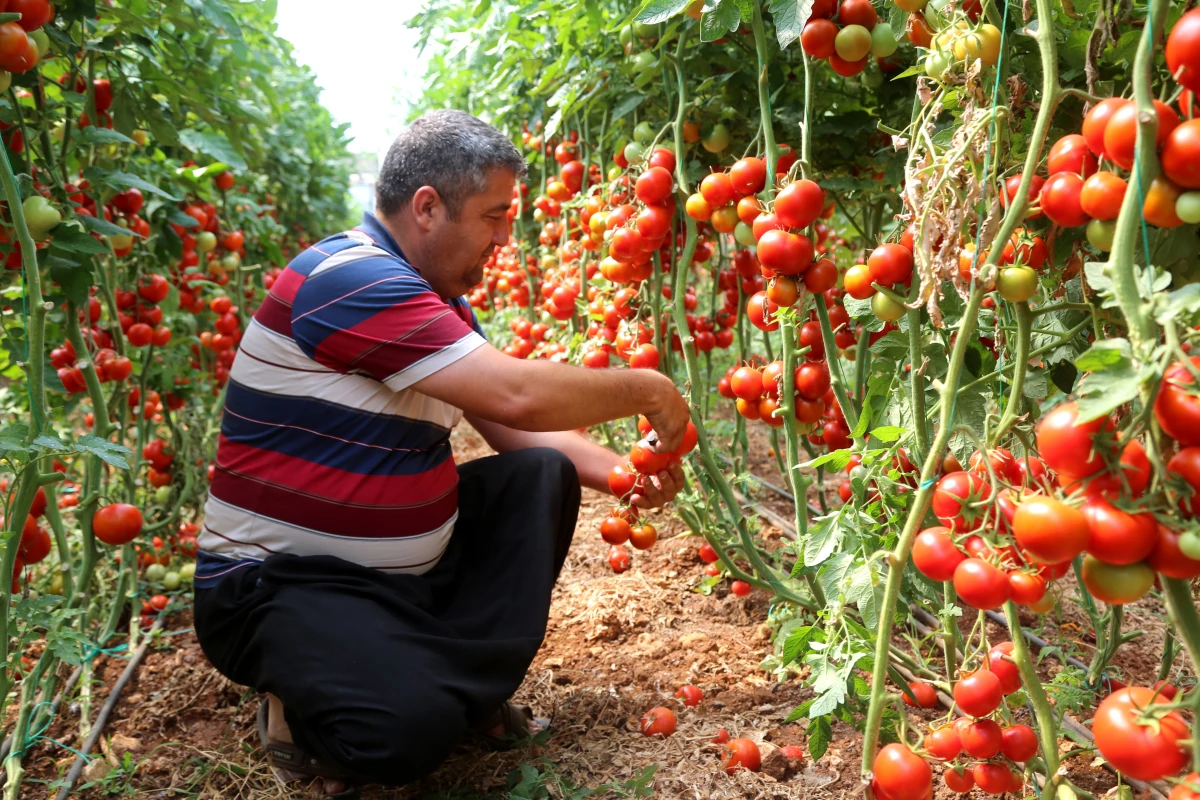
x=659 y=722
x=1027 y=589
x=708 y=553
x=749 y=176
x=1120 y=134
x=981 y=738
x=740 y=588
x=690 y=695
x=992 y=778
x=618 y=559
x=747 y=383
x=979 y=693
x=1180 y=155
x=1141 y=751
x=1183 y=60
x=1167 y=559
x=956 y=501
x=117 y=524
x=1060 y=200
x=615 y=530
x=812 y=380
x=1071 y=154
x=621 y=480
x=741 y=754
x=35 y=542
x=800 y=203
x=1102 y=195
x=980 y=585
x=935 y=554
x=1050 y=530
x=1019 y=743
x=957 y=781
x=1178 y=411
x=901 y=774
x=923 y=695
x=1116 y=536
x=646 y=461
x=1068 y=447
x=1097 y=120
x=890 y=264
x=944 y=743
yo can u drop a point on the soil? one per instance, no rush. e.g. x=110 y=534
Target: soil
x=617 y=645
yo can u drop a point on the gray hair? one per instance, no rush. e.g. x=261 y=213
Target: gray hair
x=449 y=150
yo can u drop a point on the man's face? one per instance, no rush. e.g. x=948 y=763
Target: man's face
x=458 y=248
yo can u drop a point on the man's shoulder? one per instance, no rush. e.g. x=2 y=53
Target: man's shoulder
x=348 y=248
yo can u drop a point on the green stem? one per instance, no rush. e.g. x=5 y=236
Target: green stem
x=1020 y=366
x=838 y=380
x=1042 y=710
x=916 y=383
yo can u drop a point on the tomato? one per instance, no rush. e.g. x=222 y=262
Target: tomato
x=1183 y=55
x=717 y=189
x=35 y=542
x=1068 y=447
x=748 y=176
x=800 y=203
x=690 y=438
x=1060 y=200
x=956 y=501
x=1102 y=195
x=1134 y=467
x=821 y=277
x=1096 y=121
x=901 y=774
x=1013 y=185
x=1050 y=530
x=1019 y=743
x=935 y=554
x=690 y=695
x=812 y=380
x=957 y=781
x=890 y=264
x=981 y=738
x=740 y=588
x=1071 y=154
x=34 y=13
x=621 y=480
x=1116 y=584
x=1000 y=665
x=1190 y=788
x=1167 y=559
x=646 y=461
x=1178 y=411
x=1116 y=536
x=923 y=695
x=1141 y=751
x=979 y=693
x=1017 y=284
x=618 y=559
x=615 y=530
x=1161 y=200
x=785 y=253
x=117 y=524
x=708 y=553
x=980 y=585
x=944 y=743
x=747 y=383
x=852 y=44
x=761 y=312
x=1120 y=134
x=154 y=288
x=992 y=778
x=741 y=754
x=659 y=722
x=1026 y=588
x=1001 y=461
x=858 y=282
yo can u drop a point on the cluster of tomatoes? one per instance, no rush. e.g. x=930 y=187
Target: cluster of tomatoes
x=736 y=753
x=627 y=480
x=757 y=393
x=23 y=43
x=35 y=541
x=851 y=39
x=708 y=554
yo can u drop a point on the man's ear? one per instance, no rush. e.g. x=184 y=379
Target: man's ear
x=425 y=207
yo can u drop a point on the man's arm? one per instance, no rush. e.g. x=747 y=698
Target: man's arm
x=542 y=396
x=591 y=461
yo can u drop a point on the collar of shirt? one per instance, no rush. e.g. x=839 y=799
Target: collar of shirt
x=372 y=227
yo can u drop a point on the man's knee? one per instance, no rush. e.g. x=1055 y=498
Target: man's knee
x=394 y=743
x=552 y=465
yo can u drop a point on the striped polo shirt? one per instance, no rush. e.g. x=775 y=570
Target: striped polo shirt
x=325 y=447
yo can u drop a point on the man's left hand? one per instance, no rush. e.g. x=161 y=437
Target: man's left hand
x=660 y=489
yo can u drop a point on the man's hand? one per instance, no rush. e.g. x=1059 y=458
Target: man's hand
x=668 y=418
x=660 y=489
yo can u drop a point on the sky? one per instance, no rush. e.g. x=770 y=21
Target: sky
x=364 y=75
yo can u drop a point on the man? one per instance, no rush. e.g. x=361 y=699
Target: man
x=387 y=601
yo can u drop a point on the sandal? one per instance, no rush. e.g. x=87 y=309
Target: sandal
x=290 y=762
x=515 y=720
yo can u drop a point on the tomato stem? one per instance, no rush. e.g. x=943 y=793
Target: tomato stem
x=1043 y=712
x=1020 y=366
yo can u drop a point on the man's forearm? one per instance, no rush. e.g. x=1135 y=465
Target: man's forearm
x=580 y=397
x=592 y=461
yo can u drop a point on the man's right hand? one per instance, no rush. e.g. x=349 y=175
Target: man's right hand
x=669 y=418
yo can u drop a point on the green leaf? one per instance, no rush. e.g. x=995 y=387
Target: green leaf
x=833 y=572
x=103 y=226
x=657 y=11
x=123 y=180
x=10 y=445
x=1181 y=305
x=796 y=643
x=94 y=135
x=800 y=711
x=212 y=144
x=73 y=278
x=824 y=537
x=109 y=452
x=70 y=239
x=790 y=18
x=820 y=735
x=838 y=459
x=1101 y=393
x=49 y=442
x=888 y=433
x=1104 y=355
x=717 y=21
x=626 y=104
x=217 y=13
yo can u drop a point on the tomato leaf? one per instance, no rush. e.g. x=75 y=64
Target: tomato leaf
x=102 y=226
x=797 y=642
x=124 y=180
x=790 y=18
x=110 y=453
x=820 y=735
x=215 y=145
x=719 y=20
x=49 y=442
x=1104 y=355
x=1101 y=393
x=94 y=135
x=70 y=239
x=626 y=104
x=888 y=433
x=1183 y=305
x=824 y=536
x=837 y=459
x=656 y=11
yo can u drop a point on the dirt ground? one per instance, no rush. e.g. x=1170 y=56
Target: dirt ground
x=617 y=646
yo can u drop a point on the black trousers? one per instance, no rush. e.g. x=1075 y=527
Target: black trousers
x=383 y=674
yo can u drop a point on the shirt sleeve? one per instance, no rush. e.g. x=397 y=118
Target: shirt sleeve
x=378 y=317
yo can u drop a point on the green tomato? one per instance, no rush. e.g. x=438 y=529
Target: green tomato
x=549 y=262
x=187 y=571
x=6 y=81
x=1187 y=207
x=885 y=308
x=643 y=30
x=155 y=573
x=634 y=153
x=717 y=139
x=1017 y=284
x=1117 y=585
x=40 y=216
x=645 y=61
x=744 y=234
x=936 y=65
x=883 y=40
x=1189 y=544
x=644 y=133
x=121 y=241
x=56 y=584
x=852 y=42
x=614 y=172
x=626 y=35
x=206 y=241
x=171 y=581
x=42 y=41
x=162 y=495
x=933 y=12
x=231 y=261
x=1100 y=233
